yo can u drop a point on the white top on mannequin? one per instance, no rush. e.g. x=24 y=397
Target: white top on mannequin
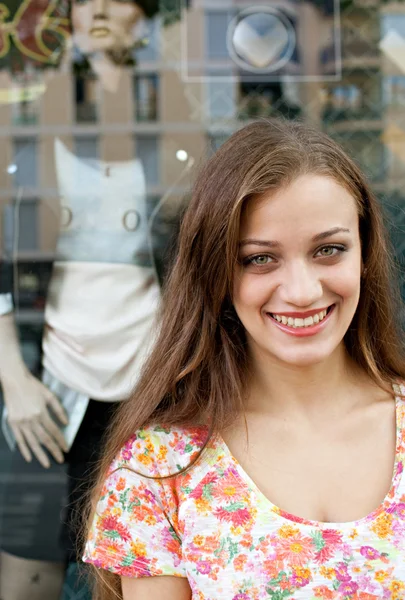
x=104 y=292
x=103 y=295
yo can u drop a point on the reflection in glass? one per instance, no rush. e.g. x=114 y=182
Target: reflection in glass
x=369 y=151
x=146 y=97
x=147 y=151
x=151 y=50
x=216 y=26
x=25 y=108
x=25 y=159
x=394 y=90
x=359 y=97
x=87 y=147
x=86 y=99
x=21 y=226
x=265 y=99
x=222 y=98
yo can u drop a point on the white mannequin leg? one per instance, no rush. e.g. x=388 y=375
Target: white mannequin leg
x=23 y=579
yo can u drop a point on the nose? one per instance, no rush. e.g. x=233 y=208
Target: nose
x=100 y=8
x=301 y=286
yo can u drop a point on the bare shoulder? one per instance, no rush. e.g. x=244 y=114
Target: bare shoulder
x=155 y=588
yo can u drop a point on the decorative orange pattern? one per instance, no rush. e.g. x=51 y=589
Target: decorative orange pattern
x=214 y=527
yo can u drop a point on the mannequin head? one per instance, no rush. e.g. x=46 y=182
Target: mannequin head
x=108 y=25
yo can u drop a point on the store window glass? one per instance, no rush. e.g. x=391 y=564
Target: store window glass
x=146 y=97
x=149 y=51
x=107 y=109
x=26 y=106
x=394 y=91
x=147 y=151
x=24 y=166
x=216 y=23
x=87 y=147
x=20 y=226
x=86 y=101
x=222 y=99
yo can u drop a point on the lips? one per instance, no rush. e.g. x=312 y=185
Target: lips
x=300 y=326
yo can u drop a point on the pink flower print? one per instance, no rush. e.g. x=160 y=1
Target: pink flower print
x=228 y=488
x=398 y=527
x=398 y=509
x=342 y=573
x=127 y=451
x=296 y=550
x=148 y=494
x=332 y=537
x=139 y=568
x=204 y=567
x=180 y=446
x=198 y=492
x=237 y=517
x=198 y=436
x=367 y=584
x=111 y=524
x=369 y=552
x=301 y=577
x=241 y=597
x=347 y=588
x=347 y=550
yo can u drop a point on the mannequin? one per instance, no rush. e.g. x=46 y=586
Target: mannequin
x=106 y=31
x=99 y=322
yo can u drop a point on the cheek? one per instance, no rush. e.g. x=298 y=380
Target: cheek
x=250 y=291
x=82 y=18
x=346 y=284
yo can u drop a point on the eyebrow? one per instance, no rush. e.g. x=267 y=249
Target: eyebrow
x=273 y=244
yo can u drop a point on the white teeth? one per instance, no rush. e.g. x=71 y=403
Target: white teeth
x=308 y=322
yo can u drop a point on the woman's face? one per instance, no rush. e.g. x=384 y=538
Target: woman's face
x=297 y=282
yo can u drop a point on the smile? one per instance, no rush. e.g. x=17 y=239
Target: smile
x=309 y=324
x=302 y=322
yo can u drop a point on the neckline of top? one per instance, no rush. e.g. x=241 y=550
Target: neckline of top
x=289 y=518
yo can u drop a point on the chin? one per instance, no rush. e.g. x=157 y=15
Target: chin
x=303 y=359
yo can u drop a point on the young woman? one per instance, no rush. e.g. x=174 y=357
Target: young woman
x=261 y=456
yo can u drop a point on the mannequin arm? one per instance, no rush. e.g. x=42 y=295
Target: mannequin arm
x=28 y=401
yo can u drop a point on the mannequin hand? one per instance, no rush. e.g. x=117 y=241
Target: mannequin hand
x=28 y=402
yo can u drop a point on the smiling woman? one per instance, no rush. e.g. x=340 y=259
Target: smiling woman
x=311 y=272
x=262 y=452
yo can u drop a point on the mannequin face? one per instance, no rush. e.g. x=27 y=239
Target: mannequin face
x=104 y=24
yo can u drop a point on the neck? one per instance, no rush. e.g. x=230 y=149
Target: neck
x=325 y=388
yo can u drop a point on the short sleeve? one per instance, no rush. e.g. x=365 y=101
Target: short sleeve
x=133 y=533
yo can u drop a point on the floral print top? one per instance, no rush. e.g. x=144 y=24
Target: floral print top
x=213 y=526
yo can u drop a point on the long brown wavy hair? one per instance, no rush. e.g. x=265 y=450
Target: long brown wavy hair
x=198 y=371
